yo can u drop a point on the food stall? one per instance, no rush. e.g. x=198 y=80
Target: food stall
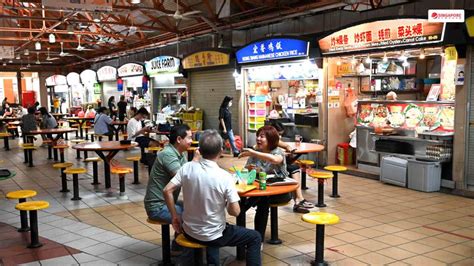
x=107 y=76
x=57 y=87
x=395 y=83
x=210 y=72
x=76 y=89
x=167 y=88
x=91 y=86
x=280 y=82
x=134 y=84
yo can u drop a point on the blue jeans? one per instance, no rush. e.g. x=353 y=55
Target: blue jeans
x=230 y=134
x=164 y=214
x=234 y=235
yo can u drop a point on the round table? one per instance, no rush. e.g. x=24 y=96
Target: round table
x=245 y=204
x=112 y=147
x=303 y=148
x=80 y=121
x=49 y=132
x=118 y=126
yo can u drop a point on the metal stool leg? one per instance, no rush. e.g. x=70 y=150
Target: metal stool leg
x=34 y=230
x=92 y=137
x=25 y=153
x=66 y=137
x=75 y=187
x=303 y=178
x=78 y=154
x=87 y=134
x=61 y=155
x=319 y=246
x=165 y=242
x=135 y=173
x=95 y=174
x=55 y=154
x=320 y=194
x=122 y=187
x=142 y=150
x=63 y=182
x=334 y=186
x=30 y=158
x=50 y=151
x=274 y=240
x=6 y=142
x=23 y=219
x=85 y=155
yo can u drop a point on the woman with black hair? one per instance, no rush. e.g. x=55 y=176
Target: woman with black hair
x=112 y=107
x=225 y=123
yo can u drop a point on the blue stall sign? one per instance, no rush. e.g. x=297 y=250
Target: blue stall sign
x=272 y=49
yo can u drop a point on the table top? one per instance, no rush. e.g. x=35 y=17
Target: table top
x=104 y=146
x=306 y=147
x=50 y=131
x=78 y=118
x=58 y=114
x=10 y=118
x=119 y=123
x=270 y=191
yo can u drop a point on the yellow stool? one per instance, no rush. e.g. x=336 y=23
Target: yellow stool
x=135 y=160
x=198 y=254
x=78 y=152
x=320 y=219
x=61 y=149
x=153 y=149
x=274 y=240
x=335 y=169
x=21 y=196
x=33 y=207
x=121 y=172
x=87 y=130
x=165 y=240
x=321 y=176
x=28 y=148
x=95 y=168
x=124 y=136
x=62 y=167
x=191 y=151
x=304 y=164
x=75 y=180
x=6 y=137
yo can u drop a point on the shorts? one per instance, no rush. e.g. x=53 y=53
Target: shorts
x=143 y=141
x=292 y=169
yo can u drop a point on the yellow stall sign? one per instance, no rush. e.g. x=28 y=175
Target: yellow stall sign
x=206 y=59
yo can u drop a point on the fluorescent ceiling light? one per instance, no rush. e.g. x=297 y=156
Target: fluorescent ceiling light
x=27 y=52
x=37 y=46
x=135 y=1
x=52 y=38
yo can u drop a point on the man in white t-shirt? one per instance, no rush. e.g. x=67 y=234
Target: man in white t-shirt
x=210 y=190
x=137 y=133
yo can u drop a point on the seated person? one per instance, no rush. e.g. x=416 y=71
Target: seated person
x=28 y=121
x=102 y=123
x=269 y=158
x=301 y=205
x=90 y=113
x=210 y=191
x=136 y=132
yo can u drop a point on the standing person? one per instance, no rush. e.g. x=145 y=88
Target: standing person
x=56 y=104
x=122 y=108
x=225 y=123
x=112 y=107
x=4 y=101
x=210 y=191
x=136 y=131
x=269 y=158
x=166 y=165
x=102 y=123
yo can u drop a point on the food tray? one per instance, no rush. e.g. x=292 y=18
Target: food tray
x=436 y=135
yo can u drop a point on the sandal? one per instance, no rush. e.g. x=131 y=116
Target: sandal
x=299 y=209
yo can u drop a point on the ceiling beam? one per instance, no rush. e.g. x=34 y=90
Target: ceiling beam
x=65 y=32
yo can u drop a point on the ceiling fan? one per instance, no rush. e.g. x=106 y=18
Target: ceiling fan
x=79 y=46
x=38 y=62
x=51 y=58
x=62 y=54
x=184 y=16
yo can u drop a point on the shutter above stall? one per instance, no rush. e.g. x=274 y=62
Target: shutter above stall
x=208 y=89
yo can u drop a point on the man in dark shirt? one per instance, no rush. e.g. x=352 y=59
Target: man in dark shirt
x=122 y=108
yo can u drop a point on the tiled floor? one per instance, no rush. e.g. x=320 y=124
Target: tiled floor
x=380 y=224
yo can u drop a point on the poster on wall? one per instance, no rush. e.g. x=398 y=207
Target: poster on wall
x=448 y=74
x=459 y=76
x=384 y=33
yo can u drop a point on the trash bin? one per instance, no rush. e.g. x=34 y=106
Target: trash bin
x=424 y=176
x=344 y=154
x=393 y=170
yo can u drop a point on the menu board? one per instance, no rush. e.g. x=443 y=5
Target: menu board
x=421 y=116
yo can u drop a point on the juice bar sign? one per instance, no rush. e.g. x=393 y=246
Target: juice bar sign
x=162 y=64
x=272 y=49
x=383 y=34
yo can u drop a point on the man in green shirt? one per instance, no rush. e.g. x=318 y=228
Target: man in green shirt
x=167 y=164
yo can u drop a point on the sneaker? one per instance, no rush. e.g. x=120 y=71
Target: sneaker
x=299 y=209
x=306 y=204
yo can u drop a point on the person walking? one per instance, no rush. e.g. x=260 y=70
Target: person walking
x=122 y=108
x=225 y=124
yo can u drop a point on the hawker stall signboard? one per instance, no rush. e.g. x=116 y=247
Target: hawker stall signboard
x=205 y=59
x=7 y=52
x=383 y=34
x=73 y=78
x=88 y=76
x=130 y=69
x=272 y=49
x=107 y=73
x=56 y=80
x=162 y=64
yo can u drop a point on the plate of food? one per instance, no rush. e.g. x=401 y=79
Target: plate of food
x=380 y=116
x=365 y=116
x=446 y=117
x=396 y=117
x=430 y=119
x=413 y=115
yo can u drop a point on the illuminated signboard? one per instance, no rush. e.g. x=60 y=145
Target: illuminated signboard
x=272 y=49
x=162 y=64
x=130 y=69
x=107 y=73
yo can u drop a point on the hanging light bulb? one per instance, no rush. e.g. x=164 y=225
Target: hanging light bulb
x=235 y=74
x=422 y=54
x=385 y=58
x=52 y=38
x=27 y=52
x=4 y=63
x=135 y=1
x=368 y=60
x=354 y=60
x=338 y=62
x=17 y=56
x=37 y=46
x=402 y=56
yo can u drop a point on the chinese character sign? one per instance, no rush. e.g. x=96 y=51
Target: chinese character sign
x=379 y=34
x=272 y=49
x=206 y=59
